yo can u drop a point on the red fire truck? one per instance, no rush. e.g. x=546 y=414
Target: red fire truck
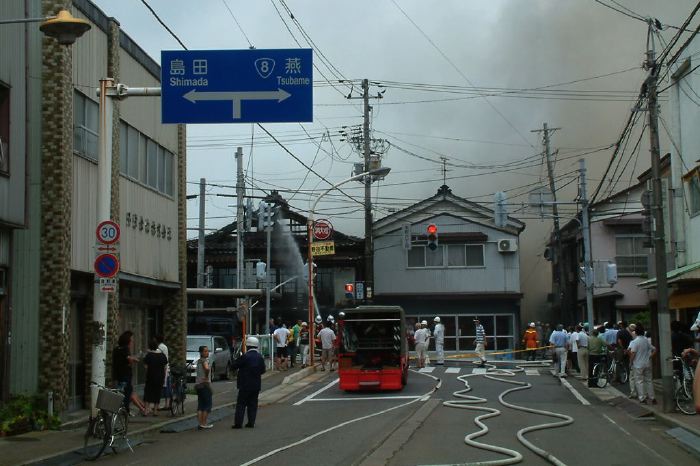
x=372 y=349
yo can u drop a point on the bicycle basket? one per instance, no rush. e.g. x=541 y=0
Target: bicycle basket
x=109 y=401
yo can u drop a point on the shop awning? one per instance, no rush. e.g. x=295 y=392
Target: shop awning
x=688 y=272
x=684 y=299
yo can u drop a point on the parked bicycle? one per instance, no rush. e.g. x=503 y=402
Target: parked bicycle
x=110 y=424
x=178 y=388
x=615 y=371
x=683 y=385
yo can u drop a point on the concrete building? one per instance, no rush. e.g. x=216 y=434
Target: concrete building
x=48 y=208
x=617 y=236
x=475 y=270
x=684 y=275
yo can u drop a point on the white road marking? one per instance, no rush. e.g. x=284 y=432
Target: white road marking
x=400 y=397
x=427 y=370
x=532 y=372
x=479 y=370
x=308 y=398
x=452 y=370
x=575 y=392
x=636 y=440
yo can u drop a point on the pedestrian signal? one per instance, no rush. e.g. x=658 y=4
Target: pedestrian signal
x=349 y=290
x=432 y=237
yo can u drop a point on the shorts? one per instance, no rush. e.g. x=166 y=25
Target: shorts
x=327 y=353
x=420 y=350
x=204 y=401
x=281 y=352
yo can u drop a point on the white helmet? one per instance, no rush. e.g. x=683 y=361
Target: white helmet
x=330 y=318
x=436 y=319
x=425 y=322
x=252 y=342
x=341 y=315
x=318 y=319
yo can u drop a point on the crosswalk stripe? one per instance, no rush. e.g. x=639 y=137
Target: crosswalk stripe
x=479 y=370
x=532 y=372
x=452 y=370
x=427 y=369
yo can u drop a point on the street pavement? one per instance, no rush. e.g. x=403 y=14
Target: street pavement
x=305 y=419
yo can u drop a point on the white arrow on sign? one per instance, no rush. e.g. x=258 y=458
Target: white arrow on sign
x=236 y=97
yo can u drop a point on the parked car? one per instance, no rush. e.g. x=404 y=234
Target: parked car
x=219 y=355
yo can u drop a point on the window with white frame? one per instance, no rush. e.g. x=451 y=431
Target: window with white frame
x=85 y=126
x=630 y=254
x=144 y=161
x=449 y=255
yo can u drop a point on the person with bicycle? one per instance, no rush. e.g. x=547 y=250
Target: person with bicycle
x=641 y=352
x=596 y=354
x=122 y=373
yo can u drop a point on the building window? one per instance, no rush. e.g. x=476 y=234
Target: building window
x=631 y=255
x=465 y=255
x=85 y=126
x=694 y=193
x=451 y=255
x=144 y=161
x=416 y=256
x=4 y=130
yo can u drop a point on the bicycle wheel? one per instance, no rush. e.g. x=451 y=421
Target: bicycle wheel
x=97 y=429
x=688 y=382
x=120 y=425
x=684 y=402
x=177 y=405
x=622 y=373
x=600 y=375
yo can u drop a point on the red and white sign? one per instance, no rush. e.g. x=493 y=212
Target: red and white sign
x=106 y=265
x=108 y=232
x=322 y=229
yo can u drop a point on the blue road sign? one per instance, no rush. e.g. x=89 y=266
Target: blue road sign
x=237 y=86
x=106 y=265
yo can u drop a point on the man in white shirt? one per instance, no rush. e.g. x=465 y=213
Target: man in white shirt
x=280 y=336
x=581 y=340
x=641 y=352
x=327 y=337
x=421 y=337
x=439 y=334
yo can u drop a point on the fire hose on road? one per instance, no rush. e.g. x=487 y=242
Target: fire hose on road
x=469 y=402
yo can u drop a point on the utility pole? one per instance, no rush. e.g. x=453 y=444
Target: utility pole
x=369 y=279
x=240 y=192
x=658 y=234
x=565 y=313
x=200 y=241
x=587 y=254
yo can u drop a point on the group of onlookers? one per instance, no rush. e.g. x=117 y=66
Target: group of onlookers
x=295 y=341
x=630 y=345
x=155 y=362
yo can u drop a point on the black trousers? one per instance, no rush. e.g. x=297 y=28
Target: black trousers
x=247 y=399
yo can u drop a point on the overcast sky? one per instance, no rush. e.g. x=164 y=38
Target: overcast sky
x=510 y=44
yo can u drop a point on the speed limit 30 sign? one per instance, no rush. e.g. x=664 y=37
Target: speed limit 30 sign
x=108 y=232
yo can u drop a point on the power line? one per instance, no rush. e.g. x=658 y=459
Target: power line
x=240 y=28
x=162 y=23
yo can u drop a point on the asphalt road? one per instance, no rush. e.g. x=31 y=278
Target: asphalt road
x=320 y=425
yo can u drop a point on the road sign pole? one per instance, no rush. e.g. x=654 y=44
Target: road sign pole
x=104 y=195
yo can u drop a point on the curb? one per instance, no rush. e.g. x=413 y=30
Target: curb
x=299 y=375
x=160 y=425
x=662 y=417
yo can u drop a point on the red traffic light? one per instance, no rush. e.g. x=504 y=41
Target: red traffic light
x=432 y=229
x=349 y=288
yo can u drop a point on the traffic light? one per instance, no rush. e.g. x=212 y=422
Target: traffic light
x=432 y=237
x=349 y=290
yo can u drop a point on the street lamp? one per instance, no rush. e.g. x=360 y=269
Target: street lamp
x=378 y=172
x=63 y=27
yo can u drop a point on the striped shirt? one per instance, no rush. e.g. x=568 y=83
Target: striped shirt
x=480 y=333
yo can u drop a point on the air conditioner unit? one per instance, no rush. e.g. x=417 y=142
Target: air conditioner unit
x=507 y=245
